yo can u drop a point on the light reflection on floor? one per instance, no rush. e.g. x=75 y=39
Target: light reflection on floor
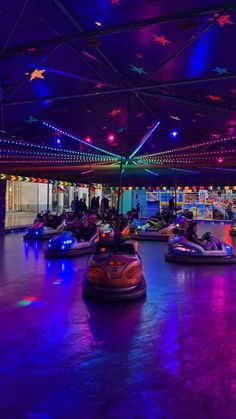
x=169 y=356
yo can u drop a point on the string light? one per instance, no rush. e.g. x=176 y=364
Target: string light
x=78 y=153
x=203 y=144
x=73 y=137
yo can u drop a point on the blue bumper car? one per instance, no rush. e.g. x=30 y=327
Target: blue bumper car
x=66 y=246
x=180 y=250
x=43 y=233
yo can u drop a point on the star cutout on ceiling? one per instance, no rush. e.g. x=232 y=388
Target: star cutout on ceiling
x=233 y=90
x=116 y=2
x=140 y=56
x=140 y=115
x=199 y=114
x=222 y=20
x=99 y=24
x=138 y=70
x=220 y=70
x=122 y=129
x=99 y=85
x=161 y=39
x=31 y=120
x=115 y=112
x=37 y=74
x=213 y=97
x=175 y=117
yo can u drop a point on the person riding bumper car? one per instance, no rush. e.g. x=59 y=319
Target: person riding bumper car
x=188 y=248
x=79 y=243
x=41 y=231
x=115 y=273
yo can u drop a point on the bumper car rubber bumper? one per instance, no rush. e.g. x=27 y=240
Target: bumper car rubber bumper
x=200 y=260
x=70 y=253
x=150 y=237
x=39 y=236
x=114 y=294
x=112 y=239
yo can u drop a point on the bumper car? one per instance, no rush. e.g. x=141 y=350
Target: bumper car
x=43 y=233
x=66 y=245
x=232 y=232
x=106 y=233
x=115 y=273
x=153 y=232
x=180 y=250
x=134 y=224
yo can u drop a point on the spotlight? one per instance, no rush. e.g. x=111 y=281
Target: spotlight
x=88 y=140
x=174 y=134
x=111 y=139
x=58 y=141
x=220 y=160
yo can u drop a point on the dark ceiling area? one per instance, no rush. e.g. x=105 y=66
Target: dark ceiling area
x=86 y=86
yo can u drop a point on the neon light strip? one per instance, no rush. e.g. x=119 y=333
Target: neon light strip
x=152 y=173
x=187 y=171
x=145 y=138
x=87 y=171
x=72 y=137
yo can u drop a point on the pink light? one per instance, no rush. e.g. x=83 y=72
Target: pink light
x=88 y=140
x=111 y=139
x=220 y=160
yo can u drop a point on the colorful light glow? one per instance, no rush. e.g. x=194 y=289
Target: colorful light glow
x=25 y=144
x=73 y=137
x=203 y=144
x=27 y=301
x=174 y=134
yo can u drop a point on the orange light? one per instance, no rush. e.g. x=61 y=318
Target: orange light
x=115 y=263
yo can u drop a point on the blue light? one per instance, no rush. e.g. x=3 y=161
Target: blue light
x=58 y=141
x=174 y=134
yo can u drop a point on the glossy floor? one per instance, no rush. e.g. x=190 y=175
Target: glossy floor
x=170 y=356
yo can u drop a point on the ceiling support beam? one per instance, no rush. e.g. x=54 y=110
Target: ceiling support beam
x=127 y=27
x=140 y=88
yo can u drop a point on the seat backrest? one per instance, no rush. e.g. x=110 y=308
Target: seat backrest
x=127 y=248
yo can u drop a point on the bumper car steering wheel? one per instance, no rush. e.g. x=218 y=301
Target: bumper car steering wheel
x=206 y=236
